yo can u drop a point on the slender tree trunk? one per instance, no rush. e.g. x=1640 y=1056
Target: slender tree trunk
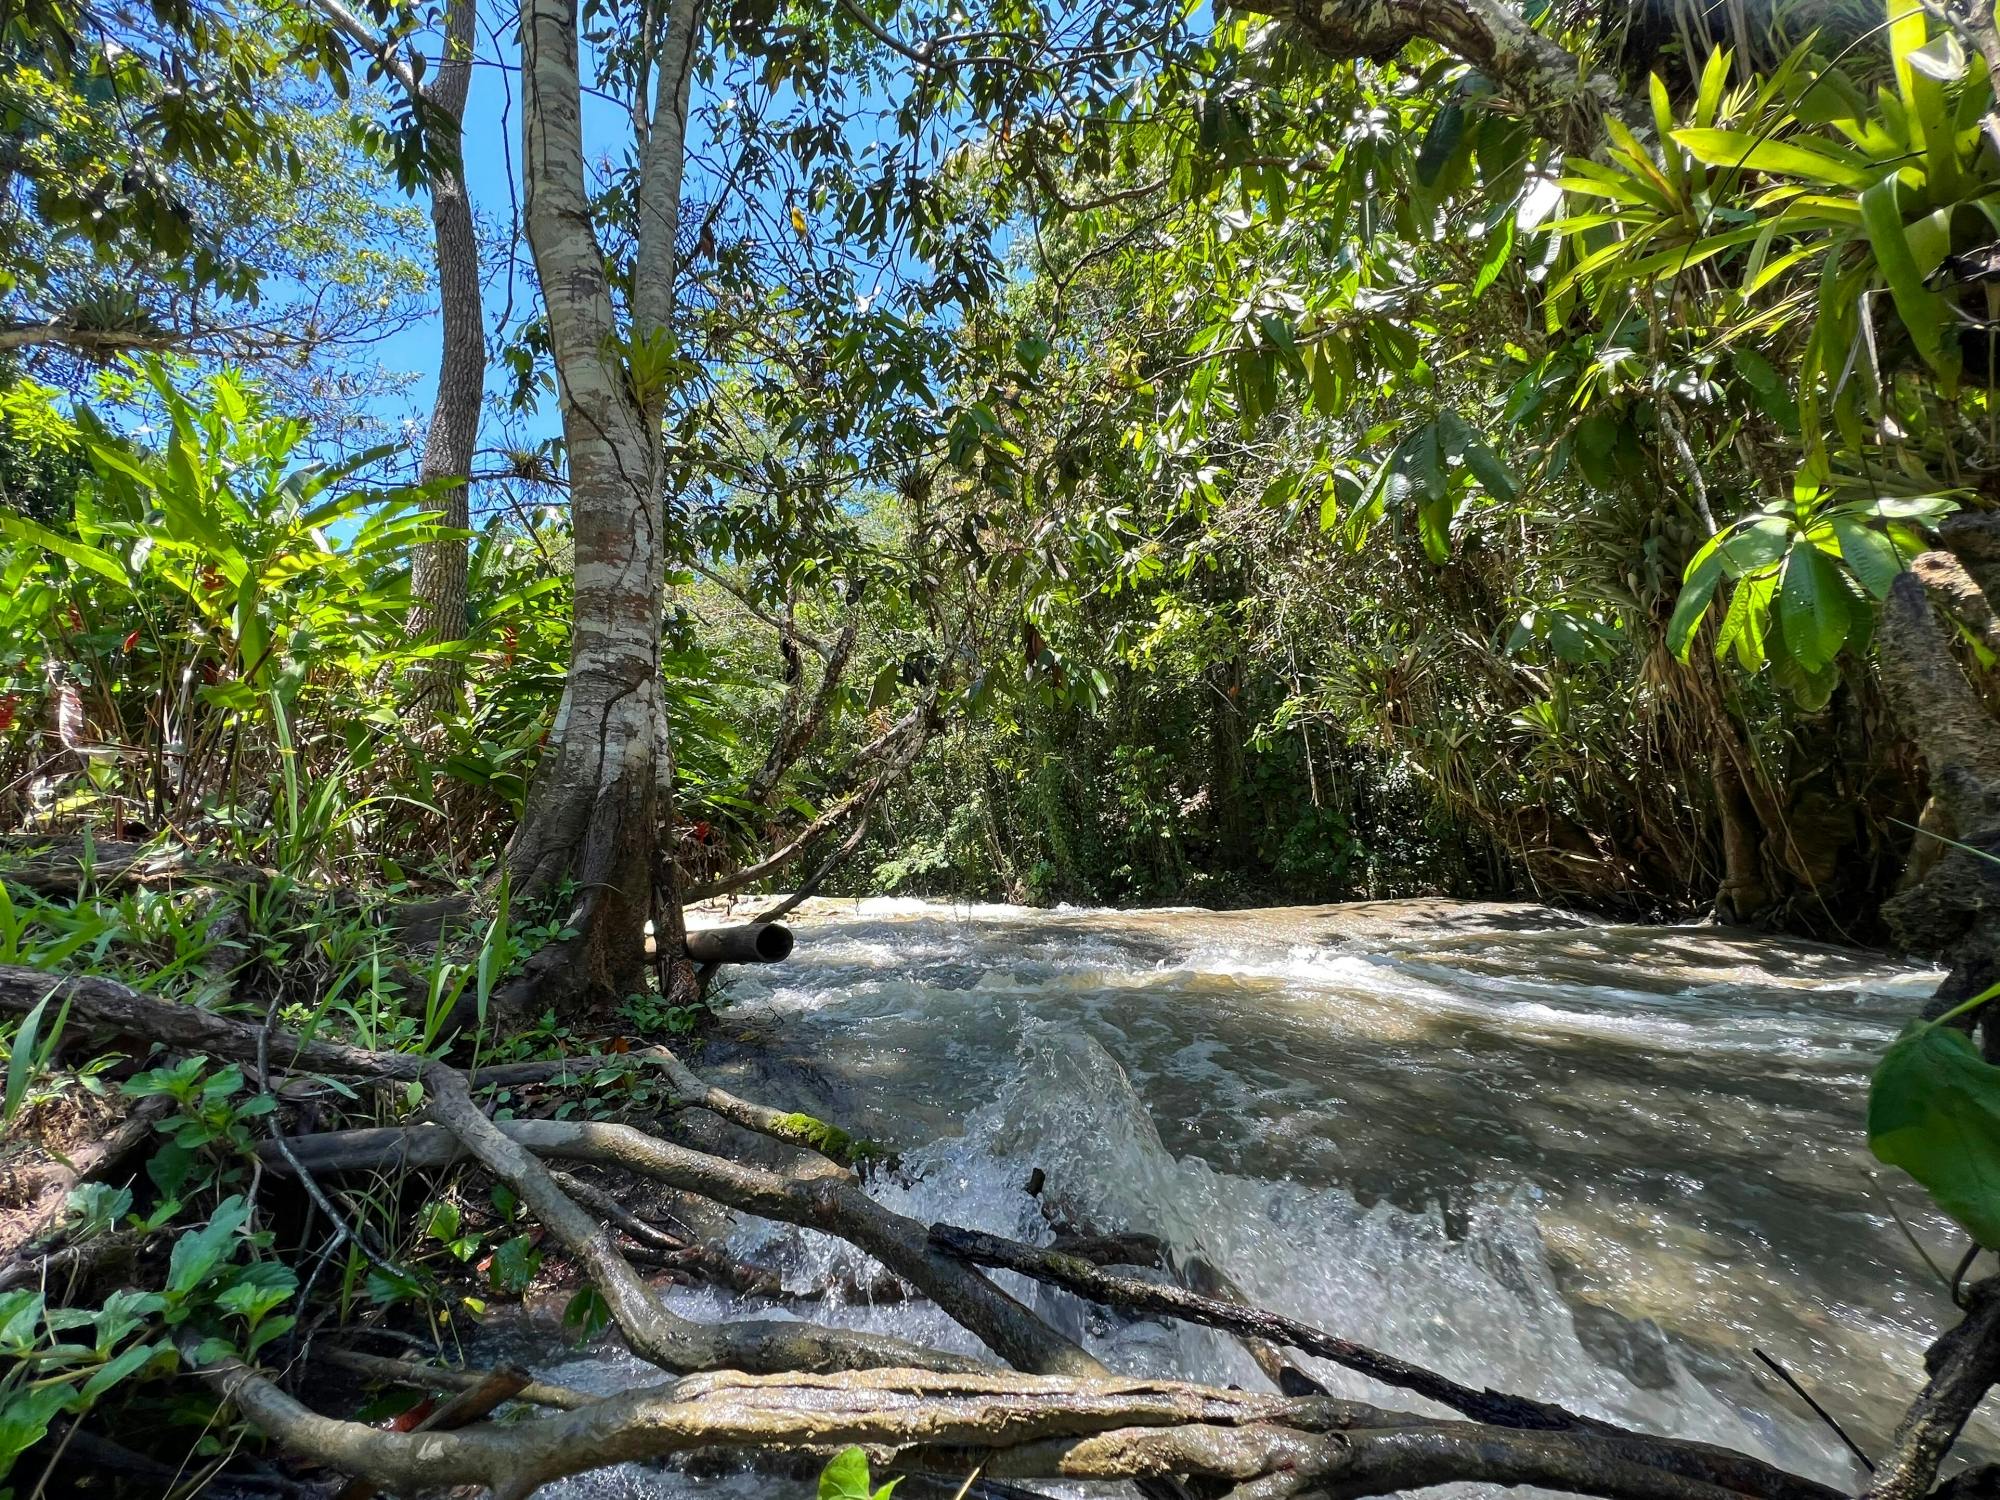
x=603 y=788
x=437 y=582
x=438 y=569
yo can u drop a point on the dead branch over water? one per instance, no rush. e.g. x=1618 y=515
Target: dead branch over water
x=771 y=1384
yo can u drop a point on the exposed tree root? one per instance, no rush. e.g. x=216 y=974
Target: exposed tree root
x=1964 y=1365
x=929 y=1409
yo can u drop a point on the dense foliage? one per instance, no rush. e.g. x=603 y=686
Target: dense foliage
x=1117 y=453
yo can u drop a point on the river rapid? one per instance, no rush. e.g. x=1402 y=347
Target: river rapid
x=1597 y=1164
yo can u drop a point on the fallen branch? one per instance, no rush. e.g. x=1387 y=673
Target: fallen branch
x=87 y=1257
x=826 y=1199
x=1014 y=1426
x=673 y=1252
x=1963 y=1365
x=1129 y=1293
x=1698 y=1462
x=437 y=1378
x=106 y=1003
x=68 y=867
x=654 y=1333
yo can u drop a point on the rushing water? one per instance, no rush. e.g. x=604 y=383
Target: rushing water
x=1598 y=1164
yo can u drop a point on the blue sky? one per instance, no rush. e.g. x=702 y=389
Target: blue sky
x=492 y=156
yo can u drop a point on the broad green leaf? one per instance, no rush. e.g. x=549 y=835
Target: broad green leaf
x=1697 y=589
x=1749 y=548
x=1491 y=471
x=1908 y=31
x=1746 y=621
x=1934 y=1111
x=1869 y=555
x=121 y=1366
x=68 y=548
x=1434 y=528
x=1814 y=163
x=1941 y=59
x=1921 y=309
x=199 y=1251
x=25 y=1415
x=1910 y=507
x=1813 y=607
x=845 y=1476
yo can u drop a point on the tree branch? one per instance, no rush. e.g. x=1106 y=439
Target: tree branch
x=1964 y=1364
x=1548 y=86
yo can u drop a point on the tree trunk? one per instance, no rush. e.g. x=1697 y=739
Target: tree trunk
x=437 y=581
x=603 y=787
x=1953 y=912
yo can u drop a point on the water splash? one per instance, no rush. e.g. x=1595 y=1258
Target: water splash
x=1589 y=1164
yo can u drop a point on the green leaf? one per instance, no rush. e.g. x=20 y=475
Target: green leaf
x=1697 y=590
x=1921 y=309
x=1813 y=607
x=1740 y=149
x=1441 y=143
x=1499 y=250
x=587 y=1314
x=1908 y=31
x=198 y=1252
x=845 y=1476
x=1869 y=555
x=120 y=1367
x=1746 y=622
x=1934 y=1111
x=68 y=548
x=514 y=1265
x=24 y=1419
x=21 y=1060
x=1749 y=548
x=1714 y=80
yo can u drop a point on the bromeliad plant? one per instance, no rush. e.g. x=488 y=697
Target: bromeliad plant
x=1812 y=230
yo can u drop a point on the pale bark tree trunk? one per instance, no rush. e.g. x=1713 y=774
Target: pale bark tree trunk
x=599 y=797
x=438 y=570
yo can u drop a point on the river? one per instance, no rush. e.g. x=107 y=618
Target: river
x=1597 y=1164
